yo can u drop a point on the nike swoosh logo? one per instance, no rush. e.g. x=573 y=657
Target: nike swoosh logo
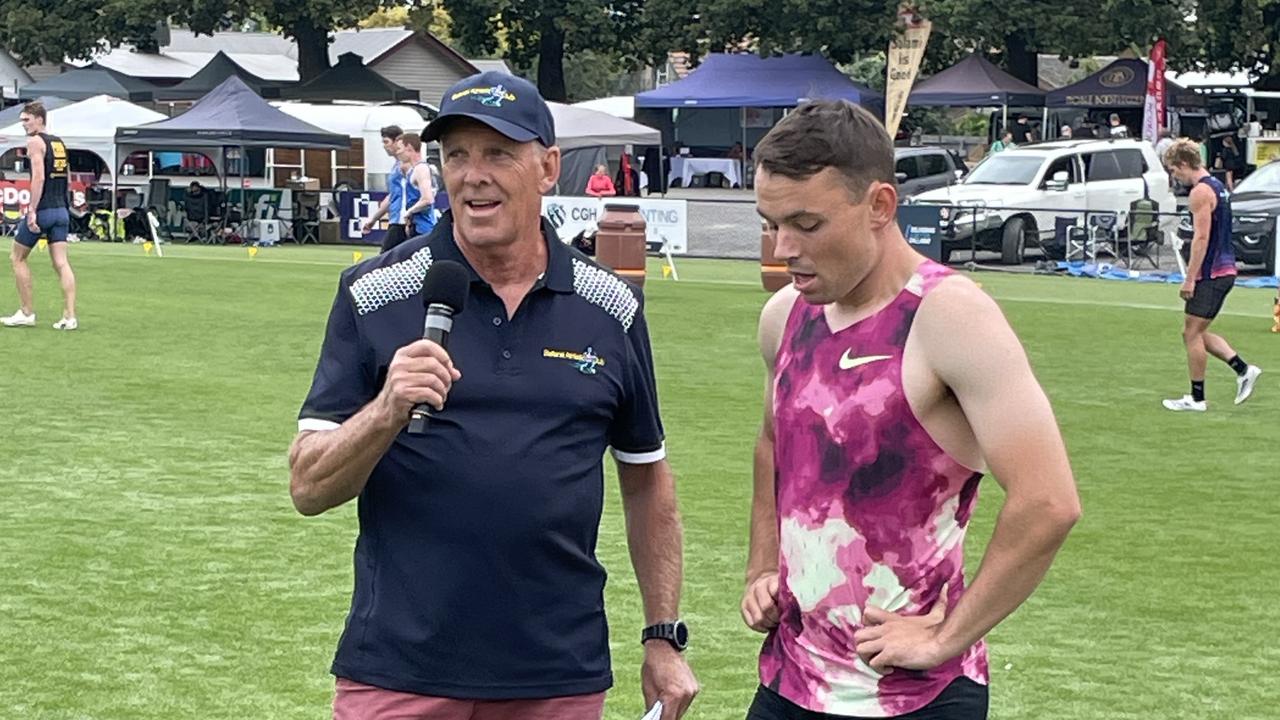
x=849 y=363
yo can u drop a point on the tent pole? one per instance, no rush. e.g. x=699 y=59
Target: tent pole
x=662 y=175
x=1004 y=118
x=115 y=191
x=244 y=196
x=742 y=162
x=1044 y=124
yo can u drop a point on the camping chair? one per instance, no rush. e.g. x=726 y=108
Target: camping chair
x=10 y=219
x=1104 y=235
x=306 y=217
x=1076 y=239
x=158 y=194
x=157 y=202
x=1144 y=232
x=199 y=224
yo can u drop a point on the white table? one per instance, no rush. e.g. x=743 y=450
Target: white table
x=685 y=168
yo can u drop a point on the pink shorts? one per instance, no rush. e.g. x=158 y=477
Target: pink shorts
x=357 y=701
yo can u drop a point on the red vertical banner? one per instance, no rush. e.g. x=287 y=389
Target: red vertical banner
x=1153 y=119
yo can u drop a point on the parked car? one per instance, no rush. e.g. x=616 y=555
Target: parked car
x=1012 y=199
x=920 y=169
x=1255 y=209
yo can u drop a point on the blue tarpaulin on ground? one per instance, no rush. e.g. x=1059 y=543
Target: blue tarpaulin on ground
x=1105 y=271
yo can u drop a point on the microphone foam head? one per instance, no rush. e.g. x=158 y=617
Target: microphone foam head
x=447 y=283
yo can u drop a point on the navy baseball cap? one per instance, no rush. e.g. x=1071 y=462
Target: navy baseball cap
x=506 y=103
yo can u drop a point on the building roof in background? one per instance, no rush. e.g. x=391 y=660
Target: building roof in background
x=491 y=64
x=269 y=56
x=370 y=44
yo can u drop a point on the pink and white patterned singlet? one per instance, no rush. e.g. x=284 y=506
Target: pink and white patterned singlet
x=871 y=511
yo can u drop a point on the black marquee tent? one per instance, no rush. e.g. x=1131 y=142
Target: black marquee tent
x=974 y=82
x=350 y=79
x=214 y=73
x=88 y=82
x=232 y=115
x=1119 y=86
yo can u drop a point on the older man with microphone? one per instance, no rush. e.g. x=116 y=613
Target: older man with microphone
x=477 y=592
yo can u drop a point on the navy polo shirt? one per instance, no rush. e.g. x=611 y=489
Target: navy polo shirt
x=475 y=567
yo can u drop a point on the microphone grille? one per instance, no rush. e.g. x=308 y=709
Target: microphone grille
x=446 y=283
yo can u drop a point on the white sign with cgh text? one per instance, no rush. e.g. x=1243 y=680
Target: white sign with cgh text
x=666 y=221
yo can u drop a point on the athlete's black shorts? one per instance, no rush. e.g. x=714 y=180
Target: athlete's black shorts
x=395 y=235
x=963 y=699
x=1207 y=300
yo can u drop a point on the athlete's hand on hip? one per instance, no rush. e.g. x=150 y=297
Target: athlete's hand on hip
x=420 y=372
x=31 y=222
x=1188 y=289
x=760 y=603
x=666 y=676
x=889 y=640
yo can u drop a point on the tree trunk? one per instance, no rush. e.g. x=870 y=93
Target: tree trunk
x=1022 y=61
x=551 y=62
x=313 y=49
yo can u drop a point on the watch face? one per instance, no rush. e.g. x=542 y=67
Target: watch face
x=682 y=634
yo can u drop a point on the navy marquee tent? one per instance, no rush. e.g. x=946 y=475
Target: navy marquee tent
x=1120 y=85
x=748 y=80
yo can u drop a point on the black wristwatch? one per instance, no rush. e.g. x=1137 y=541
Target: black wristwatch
x=676 y=633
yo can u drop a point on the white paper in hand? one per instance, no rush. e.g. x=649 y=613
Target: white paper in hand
x=655 y=712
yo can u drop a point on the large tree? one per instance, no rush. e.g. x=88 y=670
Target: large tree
x=1241 y=35
x=308 y=22
x=1016 y=31
x=1013 y=32
x=45 y=31
x=842 y=30
x=36 y=31
x=541 y=32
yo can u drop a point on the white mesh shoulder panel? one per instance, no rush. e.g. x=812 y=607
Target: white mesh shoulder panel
x=386 y=285
x=608 y=291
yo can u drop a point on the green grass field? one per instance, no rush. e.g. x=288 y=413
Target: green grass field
x=152 y=567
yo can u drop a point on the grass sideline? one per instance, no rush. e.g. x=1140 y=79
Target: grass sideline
x=152 y=567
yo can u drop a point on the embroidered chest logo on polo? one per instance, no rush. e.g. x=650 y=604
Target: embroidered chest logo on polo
x=587 y=362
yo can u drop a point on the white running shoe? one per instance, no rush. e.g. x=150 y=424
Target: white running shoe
x=66 y=324
x=1245 y=383
x=19 y=319
x=1186 y=404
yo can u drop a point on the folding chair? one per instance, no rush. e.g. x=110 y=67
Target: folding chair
x=1104 y=236
x=157 y=205
x=12 y=215
x=198 y=223
x=306 y=218
x=1144 y=232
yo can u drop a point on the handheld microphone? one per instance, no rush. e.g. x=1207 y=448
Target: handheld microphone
x=444 y=292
